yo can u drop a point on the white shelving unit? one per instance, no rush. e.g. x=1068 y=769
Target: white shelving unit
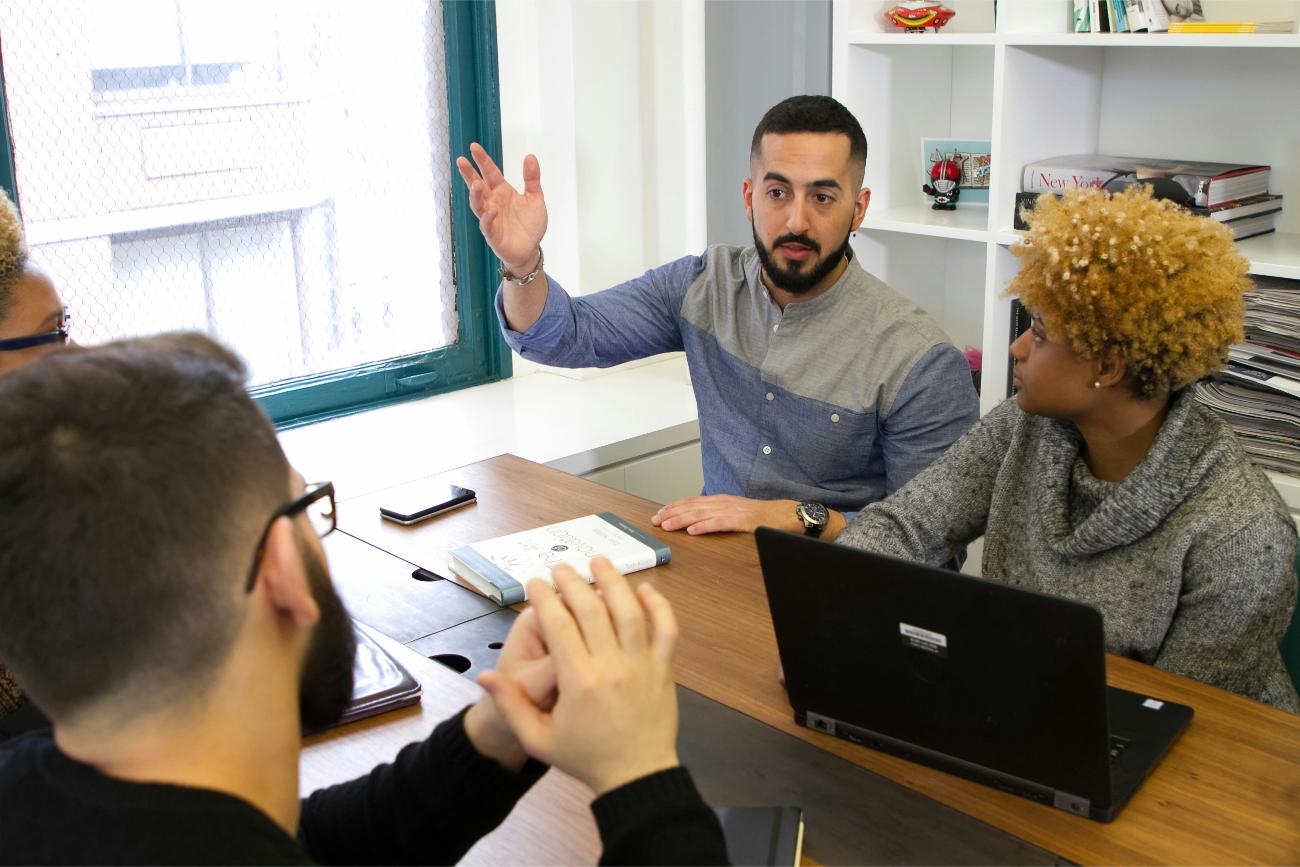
x=1036 y=90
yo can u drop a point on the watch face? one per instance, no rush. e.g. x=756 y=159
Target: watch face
x=813 y=513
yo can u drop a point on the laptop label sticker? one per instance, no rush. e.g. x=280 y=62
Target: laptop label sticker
x=923 y=639
x=1153 y=704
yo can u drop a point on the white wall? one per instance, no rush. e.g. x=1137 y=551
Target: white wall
x=609 y=94
x=758 y=53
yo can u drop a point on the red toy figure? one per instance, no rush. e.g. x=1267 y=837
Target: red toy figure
x=945 y=178
x=916 y=15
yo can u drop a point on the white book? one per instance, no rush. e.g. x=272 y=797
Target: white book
x=501 y=568
x=1157 y=16
x=1137 y=16
x=1268 y=379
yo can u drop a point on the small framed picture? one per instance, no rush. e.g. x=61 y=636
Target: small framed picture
x=972 y=156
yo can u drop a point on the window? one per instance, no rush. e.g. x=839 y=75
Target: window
x=277 y=173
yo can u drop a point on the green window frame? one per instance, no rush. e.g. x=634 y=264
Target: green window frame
x=480 y=354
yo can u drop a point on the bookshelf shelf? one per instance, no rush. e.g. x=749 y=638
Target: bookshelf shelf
x=875 y=37
x=1036 y=91
x=1273 y=255
x=1288 y=486
x=1155 y=40
x=1103 y=40
x=967 y=223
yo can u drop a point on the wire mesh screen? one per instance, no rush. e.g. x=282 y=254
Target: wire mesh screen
x=273 y=172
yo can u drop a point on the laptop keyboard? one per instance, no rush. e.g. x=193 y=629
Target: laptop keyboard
x=1117 y=747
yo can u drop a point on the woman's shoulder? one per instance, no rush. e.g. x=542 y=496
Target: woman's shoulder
x=1228 y=480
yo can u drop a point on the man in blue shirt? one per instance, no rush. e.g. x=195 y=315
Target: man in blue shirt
x=819 y=388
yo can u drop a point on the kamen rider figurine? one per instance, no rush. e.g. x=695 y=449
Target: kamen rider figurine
x=913 y=16
x=945 y=184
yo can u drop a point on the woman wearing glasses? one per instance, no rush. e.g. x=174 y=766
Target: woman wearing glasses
x=33 y=321
x=1103 y=480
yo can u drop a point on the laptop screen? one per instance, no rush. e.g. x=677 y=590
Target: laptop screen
x=976 y=670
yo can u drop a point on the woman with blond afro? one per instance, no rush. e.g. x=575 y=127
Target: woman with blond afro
x=31 y=312
x=1103 y=480
x=31 y=318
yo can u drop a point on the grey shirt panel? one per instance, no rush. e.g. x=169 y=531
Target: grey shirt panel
x=853 y=346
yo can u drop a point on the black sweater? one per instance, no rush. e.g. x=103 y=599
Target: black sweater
x=428 y=806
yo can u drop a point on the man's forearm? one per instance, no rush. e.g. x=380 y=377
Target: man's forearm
x=523 y=304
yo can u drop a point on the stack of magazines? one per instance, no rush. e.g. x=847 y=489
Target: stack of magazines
x=1258 y=393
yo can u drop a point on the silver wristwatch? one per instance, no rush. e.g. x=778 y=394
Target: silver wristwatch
x=530 y=276
x=814 y=517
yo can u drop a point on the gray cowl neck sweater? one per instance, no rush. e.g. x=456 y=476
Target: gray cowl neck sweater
x=1190 y=558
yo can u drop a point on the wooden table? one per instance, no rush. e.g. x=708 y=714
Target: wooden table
x=1228 y=792
x=860 y=817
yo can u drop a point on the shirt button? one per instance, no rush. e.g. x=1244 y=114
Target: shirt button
x=771 y=396
x=767 y=450
x=775 y=327
x=835 y=416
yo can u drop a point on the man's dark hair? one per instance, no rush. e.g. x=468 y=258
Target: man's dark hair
x=135 y=479
x=811 y=114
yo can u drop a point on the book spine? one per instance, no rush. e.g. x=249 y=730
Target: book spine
x=657 y=553
x=507 y=591
x=1082 y=17
x=1136 y=16
x=1118 y=18
x=1058 y=179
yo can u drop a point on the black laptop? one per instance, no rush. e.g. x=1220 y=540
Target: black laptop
x=981 y=679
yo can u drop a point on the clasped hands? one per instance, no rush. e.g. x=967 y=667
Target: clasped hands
x=584 y=682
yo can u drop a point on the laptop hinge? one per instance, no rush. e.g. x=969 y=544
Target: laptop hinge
x=821 y=723
x=1071 y=803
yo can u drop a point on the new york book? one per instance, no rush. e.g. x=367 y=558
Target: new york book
x=1233 y=211
x=500 y=568
x=1204 y=184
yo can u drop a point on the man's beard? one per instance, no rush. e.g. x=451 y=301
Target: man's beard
x=326 y=685
x=793 y=280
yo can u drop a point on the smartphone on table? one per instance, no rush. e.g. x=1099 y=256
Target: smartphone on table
x=412 y=507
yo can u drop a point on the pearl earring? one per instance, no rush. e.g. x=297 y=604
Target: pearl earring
x=1096 y=383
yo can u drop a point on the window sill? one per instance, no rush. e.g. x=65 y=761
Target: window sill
x=573 y=425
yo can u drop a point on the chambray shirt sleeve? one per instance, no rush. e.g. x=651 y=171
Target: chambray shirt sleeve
x=935 y=406
x=635 y=319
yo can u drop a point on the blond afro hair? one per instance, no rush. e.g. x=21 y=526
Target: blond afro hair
x=13 y=250
x=1126 y=276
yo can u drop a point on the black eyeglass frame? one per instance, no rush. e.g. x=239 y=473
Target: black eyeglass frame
x=58 y=335
x=315 y=491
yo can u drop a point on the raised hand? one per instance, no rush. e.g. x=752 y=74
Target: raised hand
x=512 y=223
x=615 y=715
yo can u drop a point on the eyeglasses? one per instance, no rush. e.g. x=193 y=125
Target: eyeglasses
x=58 y=335
x=318 y=504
